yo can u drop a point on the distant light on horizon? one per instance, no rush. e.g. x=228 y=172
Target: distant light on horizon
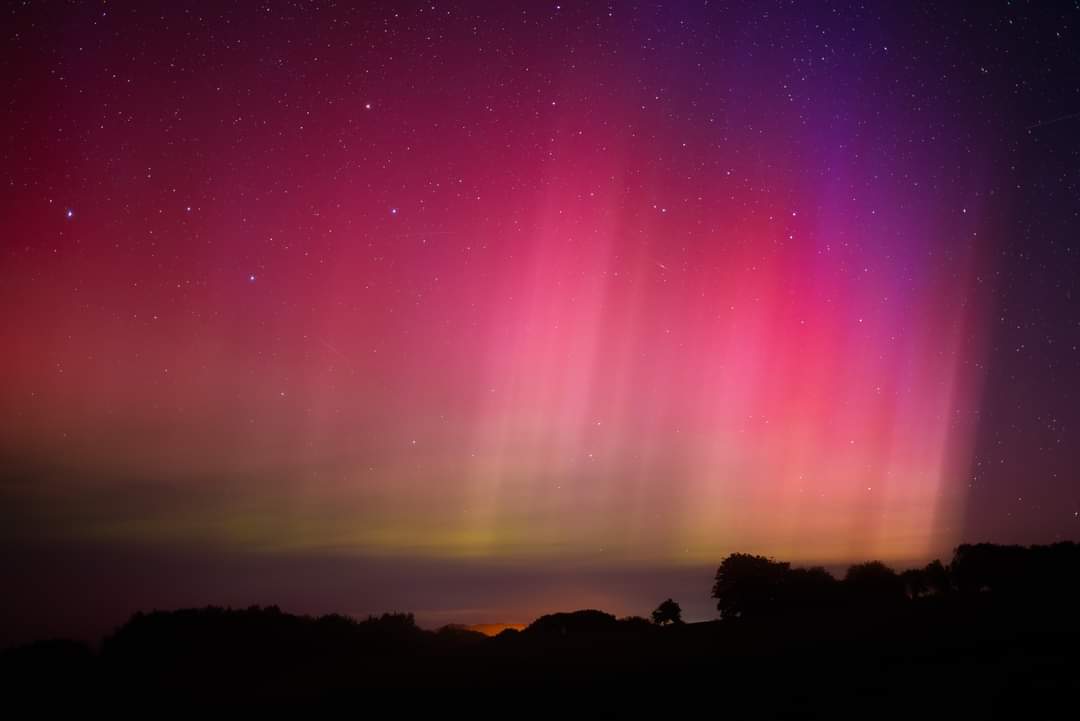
x=600 y=288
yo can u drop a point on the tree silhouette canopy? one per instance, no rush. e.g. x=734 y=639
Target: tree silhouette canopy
x=1004 y=611
x=873 y=582
x=748 y=585
x=668 y=612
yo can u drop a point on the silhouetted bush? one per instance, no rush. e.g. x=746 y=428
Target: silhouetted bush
x=456 y=633
x=574 y=622
x=636 y=624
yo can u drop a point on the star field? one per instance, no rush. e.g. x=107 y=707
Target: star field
x=542 y=292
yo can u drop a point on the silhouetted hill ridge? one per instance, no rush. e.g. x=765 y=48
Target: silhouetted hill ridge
x=998 y=617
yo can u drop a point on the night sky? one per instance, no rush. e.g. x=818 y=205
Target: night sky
x=486 y=310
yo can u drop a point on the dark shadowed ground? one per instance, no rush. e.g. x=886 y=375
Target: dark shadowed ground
x=999 y=640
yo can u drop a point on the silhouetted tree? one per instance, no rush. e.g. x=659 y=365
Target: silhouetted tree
x=667 y=612
x=873 y=582
x=990 y=567
x=936 y=577
x=1010 y=604
x=915 y=582
x=1018 y=573
x=748 y=585
x=1055 y=571
x=389 y=622
x=808 y=590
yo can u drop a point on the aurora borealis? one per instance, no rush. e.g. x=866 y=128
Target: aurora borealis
x=297 y=292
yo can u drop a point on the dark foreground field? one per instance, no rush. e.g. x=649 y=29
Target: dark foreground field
x=968 y=654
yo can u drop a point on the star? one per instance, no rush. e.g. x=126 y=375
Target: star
x=69 y=213
x=251 y=278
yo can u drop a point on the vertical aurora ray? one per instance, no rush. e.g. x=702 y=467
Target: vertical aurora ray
x=615 y=367
x=676 y=410
x=530 y=289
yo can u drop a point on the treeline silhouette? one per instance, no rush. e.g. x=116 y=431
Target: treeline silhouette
x=992 y=632
x=748 y=586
